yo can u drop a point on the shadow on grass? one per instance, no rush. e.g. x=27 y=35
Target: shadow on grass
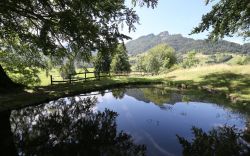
x=226 y=83
x=234 y=82
x=234 y=88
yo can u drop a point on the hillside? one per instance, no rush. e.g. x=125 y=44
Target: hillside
x=184 y=44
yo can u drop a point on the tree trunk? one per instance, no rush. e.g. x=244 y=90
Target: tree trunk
x=6 y=82
x=7 y=146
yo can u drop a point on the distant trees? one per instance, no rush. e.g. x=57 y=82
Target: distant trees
x=241 y=60
x=73 y=59
x=120 y=61
x=245 y=60
x=183 y=44
x=219 y=58
x=226 y=18
x=67 y=69
x=157 y=58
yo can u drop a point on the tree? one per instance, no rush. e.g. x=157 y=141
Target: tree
x=118 y=93
x=190 y=60
x=47 y=26
x=20 y=62
x=102 y=61
x=152 y=64
x=69 y=61
x=120 y=62
x=227 y=17
x=158 y=58
x=140 y=63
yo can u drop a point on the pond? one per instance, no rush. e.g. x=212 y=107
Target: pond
x=126 y=121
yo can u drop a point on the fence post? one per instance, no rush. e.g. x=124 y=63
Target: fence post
x=85 y=78
x=70 y=78
x=51 y=80
x=96 y=75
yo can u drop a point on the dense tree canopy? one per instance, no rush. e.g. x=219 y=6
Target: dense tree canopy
x=227 y=17
x=21 y=62
x=52 y=27
x=48 y=25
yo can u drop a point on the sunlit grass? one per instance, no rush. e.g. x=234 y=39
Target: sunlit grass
x=45 y=77
x=196 y=73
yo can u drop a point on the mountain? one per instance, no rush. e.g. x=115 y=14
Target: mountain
x=184 y=44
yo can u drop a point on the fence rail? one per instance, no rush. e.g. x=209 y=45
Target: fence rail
x=83 y=76
x=133 y=73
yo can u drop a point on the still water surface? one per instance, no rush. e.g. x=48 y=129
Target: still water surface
x=132 y=121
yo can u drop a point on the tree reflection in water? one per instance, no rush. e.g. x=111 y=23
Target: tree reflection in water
x=70 y=127
x=220 y=141
x=7 y=146
x=118 y=93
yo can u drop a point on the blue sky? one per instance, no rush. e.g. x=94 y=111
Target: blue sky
x=174 y=16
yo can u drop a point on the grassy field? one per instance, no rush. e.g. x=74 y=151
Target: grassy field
x=234 y=80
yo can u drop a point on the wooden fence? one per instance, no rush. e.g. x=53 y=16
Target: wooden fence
x=133 y=73
x=84 y=76
x=80 y=77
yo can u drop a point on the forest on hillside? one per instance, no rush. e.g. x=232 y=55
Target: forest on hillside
x=184 y=44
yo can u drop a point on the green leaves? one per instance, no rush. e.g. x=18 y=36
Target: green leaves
x=120 y=61
x=55 y=28
x=227 y=17
x=190 y=60
x=149 y=3
x=21 y=61
x=48 y=24
x=102 y=62
x=158 y=58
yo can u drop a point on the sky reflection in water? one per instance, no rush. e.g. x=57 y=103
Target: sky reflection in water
x=144 y=117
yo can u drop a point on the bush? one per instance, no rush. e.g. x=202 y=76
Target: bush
x=190 y=60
